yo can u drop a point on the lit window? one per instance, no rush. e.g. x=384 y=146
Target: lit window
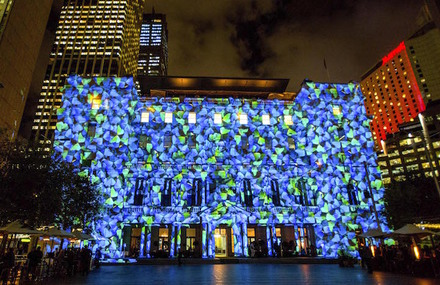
x=291 y=143
x=192 y=118
x=96 y=102
x=288 y=120
x=168 y=117
x=217 y=118
x=145 y=116
x=243 y=119
x=266 y=119
x=337 y=110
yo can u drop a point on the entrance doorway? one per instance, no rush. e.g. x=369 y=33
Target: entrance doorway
x=221 y=248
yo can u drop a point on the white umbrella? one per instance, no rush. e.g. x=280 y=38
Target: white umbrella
x=373 y=233
x=18 y=228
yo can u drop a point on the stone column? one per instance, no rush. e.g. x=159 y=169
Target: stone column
x=245 y=240
x=142 y=245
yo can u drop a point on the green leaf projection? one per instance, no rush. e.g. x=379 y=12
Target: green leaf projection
x=303 y=165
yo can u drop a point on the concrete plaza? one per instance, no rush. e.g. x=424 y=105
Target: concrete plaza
x=239 y=274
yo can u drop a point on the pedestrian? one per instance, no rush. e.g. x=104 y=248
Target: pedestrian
x=85 y=258
x=34 y=259
x=8 y=264
x=98 y=256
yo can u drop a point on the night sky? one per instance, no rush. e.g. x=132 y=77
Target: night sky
x=282 y=38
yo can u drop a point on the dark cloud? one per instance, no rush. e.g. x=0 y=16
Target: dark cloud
x=283 y=38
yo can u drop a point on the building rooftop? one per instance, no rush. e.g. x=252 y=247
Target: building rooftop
x=176 y=86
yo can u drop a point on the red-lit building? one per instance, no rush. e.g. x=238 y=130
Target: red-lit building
x=392 y=94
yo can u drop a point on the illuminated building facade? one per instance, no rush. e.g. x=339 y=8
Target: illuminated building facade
x=213 y=175
x=392 y=94
x=95 y=38
x=21 y=35
x=153 y=53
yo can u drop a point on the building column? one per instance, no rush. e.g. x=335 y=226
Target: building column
x=238 y=244
x=245 y=240
x=142 y=245
x=172 y=240
x=179 y=237
x=205 y=240
x=148 y=241
x=269 y=240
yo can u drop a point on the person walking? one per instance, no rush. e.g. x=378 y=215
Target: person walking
x=85 y=258
x=8 y=264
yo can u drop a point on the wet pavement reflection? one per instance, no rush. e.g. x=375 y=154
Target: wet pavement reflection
x=240 y=274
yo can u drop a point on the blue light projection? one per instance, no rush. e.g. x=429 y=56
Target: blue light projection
x=304 y=167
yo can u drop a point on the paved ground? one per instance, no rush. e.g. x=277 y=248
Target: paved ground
x=240 y=274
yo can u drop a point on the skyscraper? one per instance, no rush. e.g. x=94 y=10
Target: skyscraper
x=94 y=37
x=21 y=35
x=153 y=54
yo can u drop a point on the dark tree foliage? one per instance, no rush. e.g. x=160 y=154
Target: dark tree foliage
x=411 y=200
x=41 y=189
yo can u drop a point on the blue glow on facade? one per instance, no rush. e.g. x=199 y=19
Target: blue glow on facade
x=301 y=177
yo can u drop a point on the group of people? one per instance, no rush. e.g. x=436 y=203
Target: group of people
x=60 y=262
x=402 y=259
x=284 y=249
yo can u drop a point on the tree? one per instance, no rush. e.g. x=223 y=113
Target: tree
x=41 y=189
x=411 y=200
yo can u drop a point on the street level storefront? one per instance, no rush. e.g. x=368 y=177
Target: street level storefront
x=223 y=177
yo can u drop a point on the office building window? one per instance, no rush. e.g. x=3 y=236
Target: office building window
x=274 y=186
x=166 y=192
x=145 y=116
x=266 y=119
x=192 y=118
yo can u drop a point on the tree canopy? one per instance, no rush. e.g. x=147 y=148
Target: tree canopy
x=411 y=200
x=41 y=189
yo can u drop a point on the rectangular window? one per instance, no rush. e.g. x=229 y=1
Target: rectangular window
x=244 y=142
x=275 y=192
x=291 y=143
x=352 y=194
x=190 y=239
x=96 y=102
x=288 y=120
x=91 y=130
x=266 y=119
x=218 y=118
x=163 y=239
x=143 y=141
x=192 y=140
x=140 y=190
x=168 y=140
x=337 y=110
x=268 y=143
x=168 y=117
x=192 y=118
x=247 y=193
x=210 y=190
x=145 y=116
x=166 y=192
x=243 y=119
x=194 y=197
x=301 y=197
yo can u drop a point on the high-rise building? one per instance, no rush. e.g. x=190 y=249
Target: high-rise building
x=94 y=37
x=392 y=94
x=153 y=53
x=22 y=27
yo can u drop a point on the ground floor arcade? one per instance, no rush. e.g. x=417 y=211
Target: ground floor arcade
x=202 y=240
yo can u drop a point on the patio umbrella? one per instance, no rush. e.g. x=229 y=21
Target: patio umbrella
x=54 y=232
x=18 y=228
x=375 y=233
x=82 y=236
x=411 y=230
